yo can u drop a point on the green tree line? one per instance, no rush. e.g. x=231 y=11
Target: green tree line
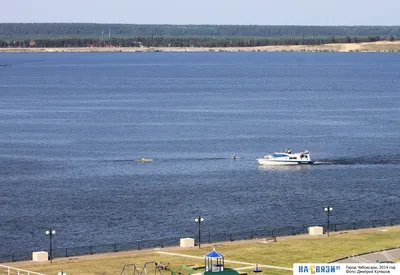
x=182 y=42
x=20 y=31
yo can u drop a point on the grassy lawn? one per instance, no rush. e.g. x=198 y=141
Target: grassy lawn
x=283 y=253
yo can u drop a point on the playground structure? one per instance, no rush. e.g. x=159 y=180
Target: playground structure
x=257 y=269
x=192 y=267
x=214 y=263
x=131 y=269
x=218 y=266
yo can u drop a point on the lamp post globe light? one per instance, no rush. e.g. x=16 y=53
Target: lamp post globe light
x=199 y=219
x=328 y=211
x=50 y=233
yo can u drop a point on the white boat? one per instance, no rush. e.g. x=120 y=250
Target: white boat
x=286 y=158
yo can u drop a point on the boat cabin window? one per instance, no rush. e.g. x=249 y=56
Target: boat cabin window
x=279 y=155
x=292 y=157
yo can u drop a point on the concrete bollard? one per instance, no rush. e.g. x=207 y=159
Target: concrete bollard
x=316 y=230
x=186 y=242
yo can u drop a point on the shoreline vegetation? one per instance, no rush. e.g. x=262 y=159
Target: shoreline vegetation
x=378 y=46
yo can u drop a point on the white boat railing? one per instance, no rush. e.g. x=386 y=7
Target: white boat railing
x=8 y=270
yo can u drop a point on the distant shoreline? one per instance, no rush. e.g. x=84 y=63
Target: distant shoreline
x=380 y=46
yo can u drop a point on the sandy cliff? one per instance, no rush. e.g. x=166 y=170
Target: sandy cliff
x=381 y=46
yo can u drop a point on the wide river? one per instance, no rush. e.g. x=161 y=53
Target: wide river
x=73 y=124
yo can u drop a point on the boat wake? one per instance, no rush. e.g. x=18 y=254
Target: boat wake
x=360 y=160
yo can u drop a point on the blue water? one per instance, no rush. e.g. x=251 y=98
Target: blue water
x=72 y=126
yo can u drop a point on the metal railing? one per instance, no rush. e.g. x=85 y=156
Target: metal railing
x=16 y=271
x=207 y=237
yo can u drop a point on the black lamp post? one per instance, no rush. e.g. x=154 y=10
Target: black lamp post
x=199 y=219
x=328 y=211
x=50 y=233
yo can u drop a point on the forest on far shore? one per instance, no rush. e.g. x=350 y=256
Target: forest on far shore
x=135 y=35
x=102 y=31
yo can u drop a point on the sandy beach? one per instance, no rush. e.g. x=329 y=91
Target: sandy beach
x=381 y=46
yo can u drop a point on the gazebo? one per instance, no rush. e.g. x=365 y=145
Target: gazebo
x=218 y=259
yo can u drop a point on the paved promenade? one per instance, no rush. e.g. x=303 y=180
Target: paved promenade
x=389 y=255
